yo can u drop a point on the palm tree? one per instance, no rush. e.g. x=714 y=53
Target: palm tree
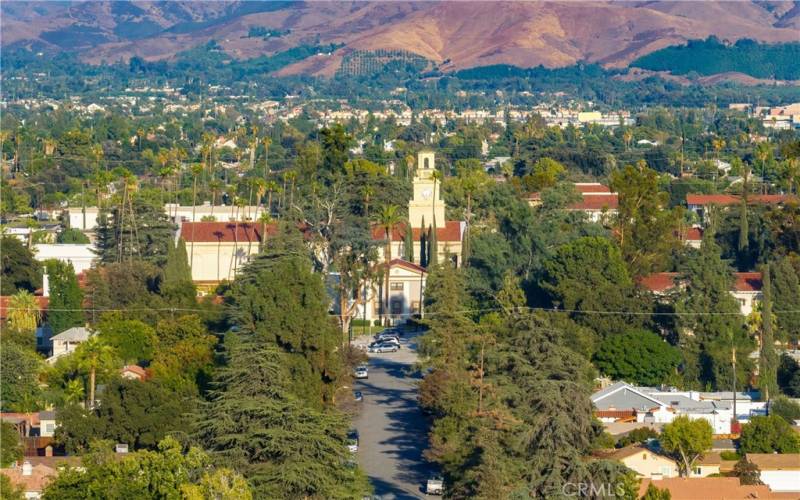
x=367 y=191
x=266 y=141
x=271 y=187
x=94 y=355
x=388 y=218
x=215 y=186
x=197 y=169
x=23 y=313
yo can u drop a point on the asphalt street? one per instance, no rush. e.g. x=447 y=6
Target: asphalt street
x=392 y=429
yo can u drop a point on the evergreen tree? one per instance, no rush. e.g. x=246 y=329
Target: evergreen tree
x=66 y=298
x=279 y=300
x=709 y=340
x=177 y=270
x=20 y=270
x=423 y=245
x=285 y=447
x=408 y=244
x=768 y=360
x=786 y=297
x=433 y=251
x=744 y=231
x=139 y=230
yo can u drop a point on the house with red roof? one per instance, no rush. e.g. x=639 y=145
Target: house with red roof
x=598 y=202
x=699 y=203
x=746 y=287
x=217 y=250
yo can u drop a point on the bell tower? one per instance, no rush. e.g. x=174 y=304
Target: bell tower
x=427 y=202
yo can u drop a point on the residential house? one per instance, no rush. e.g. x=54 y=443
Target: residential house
x=83 y=218
x=81 y=256
x=645 y=462
x=133 y=372
x=693 y=237
x=47 y=423
x=217 y=250
x=31 y=479
x=598 y=202
x=67 y=341
x=699 y=203
x=746 y=287
x=779 y=471
x=707 y=465
x=621 y=402
x=211 y=213
x=709 y=488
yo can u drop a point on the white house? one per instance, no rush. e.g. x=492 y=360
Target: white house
x=81 y=256
x=218 y=213
x=779 y=471
x=746 y=287
x=81 y=218
x=67 y=341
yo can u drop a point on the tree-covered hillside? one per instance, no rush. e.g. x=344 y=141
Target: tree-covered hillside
x=711 y=56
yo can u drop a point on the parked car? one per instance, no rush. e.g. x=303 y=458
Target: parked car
x=435 y=486
x=358 y=396
x=352 y=441
x=393 y=342
x=384 y=348
x=388 y=339
x=361 y=372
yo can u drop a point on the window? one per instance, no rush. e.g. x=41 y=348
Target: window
x=396 y=286
x=427 y=164
x=742 y=302
x=665 y=471
x=697 y=471
x=644 y=456
x=397 y=307
x=415 y=306
x=50 y=428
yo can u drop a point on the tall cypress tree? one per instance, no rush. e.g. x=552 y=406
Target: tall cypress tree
x=786 y=297
x=433 y=253
x=177 y=270
x=408 y=244
x=423 y=245
x=744 y=228
x=768 y=360
x=66 y=297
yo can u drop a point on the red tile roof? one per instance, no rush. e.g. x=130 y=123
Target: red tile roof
x=406 y=264
x=659 y=282
x=747 y=282
x=225 y=232
x=450 y=232
x=5 y=299
x=732 y=199
x=591 y=187
x=136 y=370
x=597 y=202
x=694 y=234
x=32 y=418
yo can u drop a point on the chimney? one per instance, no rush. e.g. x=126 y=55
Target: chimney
x=27 y=468
x=45 y=285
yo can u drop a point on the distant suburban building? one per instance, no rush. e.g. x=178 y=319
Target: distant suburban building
x=624 y=402
x=213 y=213
x=699 y=203
x=82 y=218
x=746 y=287
x=598 y=202
x=81 y=256
x=67 y=341
x=709 y=488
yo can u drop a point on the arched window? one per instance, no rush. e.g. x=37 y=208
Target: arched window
x=426 y=163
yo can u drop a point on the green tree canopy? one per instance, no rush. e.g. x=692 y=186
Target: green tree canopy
x=638 y=356
x=686 y=440
x=769 y=434
x=20 y=270
x=65 y=309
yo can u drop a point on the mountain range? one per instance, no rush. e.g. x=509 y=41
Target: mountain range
x=453 y=35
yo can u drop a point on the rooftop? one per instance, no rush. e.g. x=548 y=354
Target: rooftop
x=708 y=488
x=74 y=334
x=451 y=232
x=733 y=199
x=775 y=461
x=225 y=232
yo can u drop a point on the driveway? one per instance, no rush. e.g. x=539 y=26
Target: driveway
x=392 y=429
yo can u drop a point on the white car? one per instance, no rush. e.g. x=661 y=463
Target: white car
x=384 y=348
x=435 y=486
x=361 y=372
x=352 y=441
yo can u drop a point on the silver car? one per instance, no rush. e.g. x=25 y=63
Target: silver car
x=384 y=348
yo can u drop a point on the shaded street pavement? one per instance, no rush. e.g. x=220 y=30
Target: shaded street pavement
x=392 y=429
